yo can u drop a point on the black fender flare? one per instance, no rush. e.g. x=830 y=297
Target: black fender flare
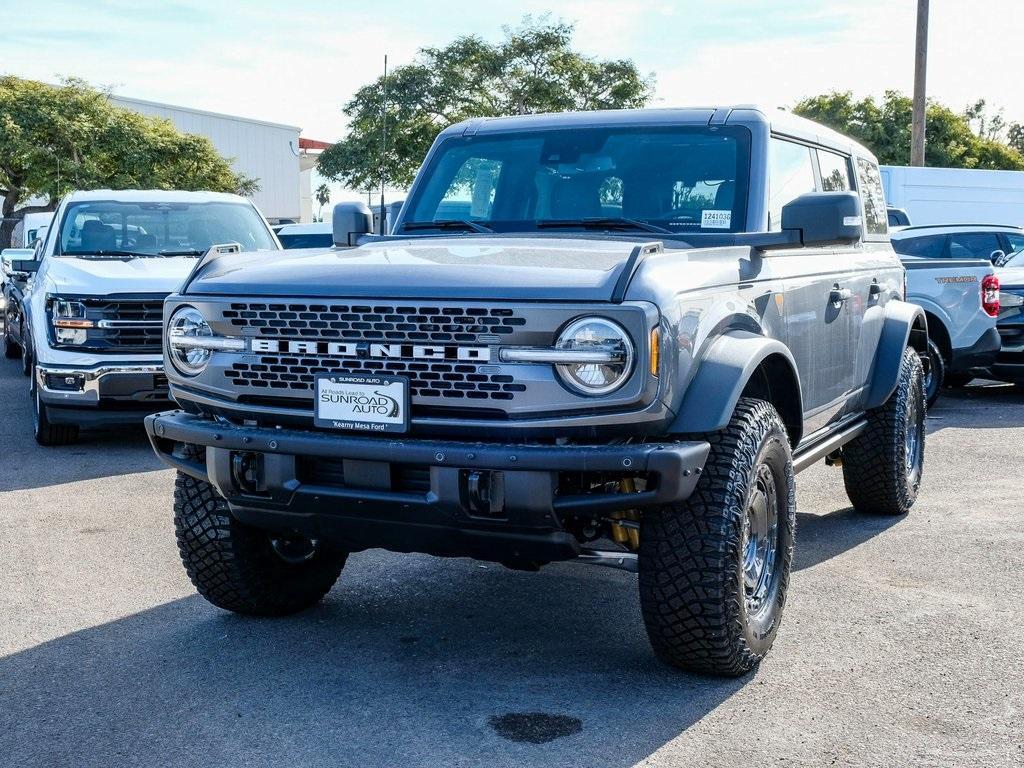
x=722 y=374
x=904 y=325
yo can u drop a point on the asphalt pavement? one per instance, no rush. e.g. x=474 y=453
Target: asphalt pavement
x=900 y=644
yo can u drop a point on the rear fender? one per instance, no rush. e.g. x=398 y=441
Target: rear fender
x=904 y=325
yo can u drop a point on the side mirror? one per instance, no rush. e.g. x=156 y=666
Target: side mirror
x=997 y=257
x=351 y=221
x=18 y=262
x=825 y=218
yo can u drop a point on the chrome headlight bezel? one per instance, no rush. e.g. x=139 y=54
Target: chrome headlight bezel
x=187 y=322
x=614 y=337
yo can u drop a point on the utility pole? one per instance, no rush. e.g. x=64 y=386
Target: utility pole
x=917 y=126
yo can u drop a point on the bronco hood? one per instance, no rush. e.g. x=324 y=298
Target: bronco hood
x=468 y=267
x=103 y=277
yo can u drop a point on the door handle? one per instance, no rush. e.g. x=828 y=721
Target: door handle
x=838 y=295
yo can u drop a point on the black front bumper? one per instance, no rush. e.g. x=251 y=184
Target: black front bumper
x=503 y=502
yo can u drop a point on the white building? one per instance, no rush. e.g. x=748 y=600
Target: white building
x=956 y=195
x=269 y=152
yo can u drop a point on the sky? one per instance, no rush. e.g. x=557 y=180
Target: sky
x=299 y=63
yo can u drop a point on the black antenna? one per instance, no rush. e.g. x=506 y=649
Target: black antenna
x=384 y=145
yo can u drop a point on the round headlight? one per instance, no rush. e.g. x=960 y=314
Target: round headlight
x=595 y=334
x=188 y=323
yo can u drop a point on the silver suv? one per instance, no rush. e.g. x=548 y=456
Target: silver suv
x=609 y=337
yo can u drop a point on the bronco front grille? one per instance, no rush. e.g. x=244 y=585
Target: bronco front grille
x=427 y=380
x=373 y=322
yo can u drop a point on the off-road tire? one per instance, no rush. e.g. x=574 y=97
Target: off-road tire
x=936 y=376
x=27 y=364
x=234 y=566
x=879 y=478
x=11 y=349
x=691 y=576
x=46 y=432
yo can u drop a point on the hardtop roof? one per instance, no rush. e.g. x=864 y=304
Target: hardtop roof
x=778 y=120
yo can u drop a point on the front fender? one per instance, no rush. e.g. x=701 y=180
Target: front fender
x=904 y=324
x=722 y=374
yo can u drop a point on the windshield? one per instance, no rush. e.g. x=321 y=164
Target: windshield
x=691 y=179
x=155 y=229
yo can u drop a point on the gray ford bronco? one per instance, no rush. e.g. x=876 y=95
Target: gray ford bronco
x=608 y=337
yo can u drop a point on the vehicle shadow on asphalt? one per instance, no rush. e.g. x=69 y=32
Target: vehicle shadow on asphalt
x=100 y=453
x=983 y=404
x=822 y=537
x=389 y=671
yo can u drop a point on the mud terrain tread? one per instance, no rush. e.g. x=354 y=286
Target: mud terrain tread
x=691 y=598
x=233 y=565
x=874 y=470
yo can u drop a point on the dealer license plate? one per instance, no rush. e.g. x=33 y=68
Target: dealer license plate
x=365 y=403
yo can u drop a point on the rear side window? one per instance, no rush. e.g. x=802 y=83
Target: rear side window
x=307 y=240
x=926 y=247
x=790 y=174
x=869 y=180
x=1016 y=242
x=835 y=172
x=973 y=245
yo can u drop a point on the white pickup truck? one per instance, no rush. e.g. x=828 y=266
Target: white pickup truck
x=93 y=305
x=960 y=298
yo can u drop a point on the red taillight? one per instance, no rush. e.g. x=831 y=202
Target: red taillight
x=990 y=295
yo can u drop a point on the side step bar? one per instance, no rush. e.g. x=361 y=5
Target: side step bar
x=815 y=452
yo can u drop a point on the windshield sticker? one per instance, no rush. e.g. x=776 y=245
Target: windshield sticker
x=716 y=219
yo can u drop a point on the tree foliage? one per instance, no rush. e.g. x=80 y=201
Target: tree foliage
x=951 y=141
x=55 y=139
x=532 y=69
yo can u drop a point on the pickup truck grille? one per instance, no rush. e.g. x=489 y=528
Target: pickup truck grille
x=374 y=322
x=124 y=324
x=435 y=381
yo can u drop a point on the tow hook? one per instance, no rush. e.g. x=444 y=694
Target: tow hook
x=247 y=472
x=484 y=492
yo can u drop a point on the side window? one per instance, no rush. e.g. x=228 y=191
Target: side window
x=926 y=247
x=790 y=174
x=1016 y=242
x=835 y=172
x=471 y=193
x=869 y=180
x=973 y=245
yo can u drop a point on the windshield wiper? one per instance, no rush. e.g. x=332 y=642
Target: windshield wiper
x=107 y=252
x=601 y=222
x=182 y=252
x=447 y=224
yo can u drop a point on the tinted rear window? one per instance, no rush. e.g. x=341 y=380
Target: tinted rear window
x=925 y=247
x=308 y=240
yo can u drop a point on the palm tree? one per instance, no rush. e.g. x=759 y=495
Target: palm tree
x=323 y=197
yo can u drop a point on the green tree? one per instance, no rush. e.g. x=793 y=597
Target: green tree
x=884 y=128
x=532 y=69
x=323 y=197
x=55 y=139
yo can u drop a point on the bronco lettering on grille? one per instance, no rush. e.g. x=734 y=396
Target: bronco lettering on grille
x=363 y=349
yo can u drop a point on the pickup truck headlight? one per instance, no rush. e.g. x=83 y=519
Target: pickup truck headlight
x=70 y=323
x=595 y=334
x=186 y=327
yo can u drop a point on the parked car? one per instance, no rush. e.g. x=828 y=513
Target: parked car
x=315 y=235
x=960 y=298
x=898 y=218
x=644 y=324
x=15 y=275
x=91 y=321
x=958 y=241
x=1009 y=365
